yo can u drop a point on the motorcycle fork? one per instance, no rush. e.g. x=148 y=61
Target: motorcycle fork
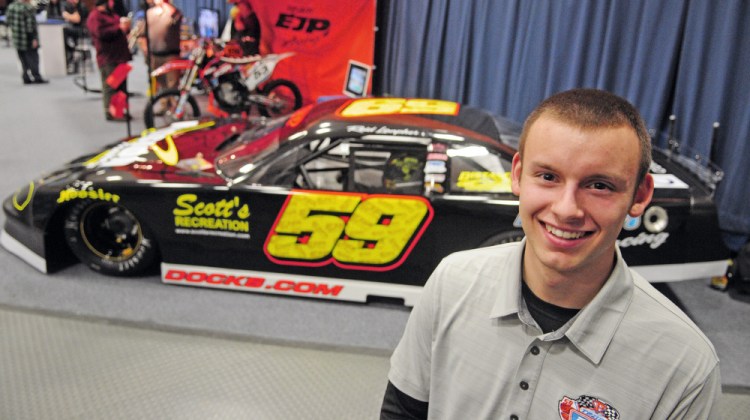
x=185 y=85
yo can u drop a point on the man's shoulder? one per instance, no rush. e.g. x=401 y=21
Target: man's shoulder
x=480 y=265
x=483 y=258
x=664 y=318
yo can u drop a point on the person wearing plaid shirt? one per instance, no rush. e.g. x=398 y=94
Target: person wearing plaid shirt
x=21 y=20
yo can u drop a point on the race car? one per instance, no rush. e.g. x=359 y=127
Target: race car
x=351 y=199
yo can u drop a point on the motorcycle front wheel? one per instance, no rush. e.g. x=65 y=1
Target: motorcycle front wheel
x=283 y=97
x=161 y=109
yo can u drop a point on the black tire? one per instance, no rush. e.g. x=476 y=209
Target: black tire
x=507 y=237
x=109 y=238
x=284 y=96
x=160 y=108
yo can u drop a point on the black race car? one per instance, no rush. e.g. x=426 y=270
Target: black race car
x=347 y=199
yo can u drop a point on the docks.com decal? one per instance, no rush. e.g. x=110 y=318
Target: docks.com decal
x=226 y=218
x=199 y=277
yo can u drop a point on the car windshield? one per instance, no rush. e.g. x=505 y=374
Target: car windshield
x=249 y=149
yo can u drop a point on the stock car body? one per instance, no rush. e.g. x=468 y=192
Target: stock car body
x=348 y=199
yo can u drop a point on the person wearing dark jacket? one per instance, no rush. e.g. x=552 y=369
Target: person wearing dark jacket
x=107 y=32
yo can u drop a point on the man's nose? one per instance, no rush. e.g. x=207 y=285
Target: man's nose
x=568 y=204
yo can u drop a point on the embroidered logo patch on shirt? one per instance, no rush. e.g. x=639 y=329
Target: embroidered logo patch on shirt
x=586 y=407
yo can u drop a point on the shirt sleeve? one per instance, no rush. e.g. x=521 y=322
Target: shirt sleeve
x=702 y=402
x=399 y=406
x=411 y=361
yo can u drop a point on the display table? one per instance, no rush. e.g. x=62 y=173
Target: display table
x=52 y=52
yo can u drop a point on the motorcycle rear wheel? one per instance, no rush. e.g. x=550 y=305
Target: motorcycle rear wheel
x=285 y=97
x=160 y=109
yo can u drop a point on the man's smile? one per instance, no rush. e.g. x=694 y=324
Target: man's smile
x=565 y=234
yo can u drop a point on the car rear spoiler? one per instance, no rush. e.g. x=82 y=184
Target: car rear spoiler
x=701 y=166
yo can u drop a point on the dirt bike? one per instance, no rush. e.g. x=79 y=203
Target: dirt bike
x=234 y=84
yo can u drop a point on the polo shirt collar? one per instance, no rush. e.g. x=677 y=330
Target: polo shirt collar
x=509 y=292
x=592 y=329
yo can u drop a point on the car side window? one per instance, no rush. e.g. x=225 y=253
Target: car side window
x=348 y=165
x=477 y=170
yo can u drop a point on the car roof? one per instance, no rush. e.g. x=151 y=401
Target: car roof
x=467 y=122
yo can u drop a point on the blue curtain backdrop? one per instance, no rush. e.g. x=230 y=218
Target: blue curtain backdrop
x=690 y=58
x=189 y=8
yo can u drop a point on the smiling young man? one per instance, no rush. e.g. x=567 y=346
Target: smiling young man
x=557 y=326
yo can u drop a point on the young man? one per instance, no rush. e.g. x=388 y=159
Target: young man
x=558 y=326
x=21 y=19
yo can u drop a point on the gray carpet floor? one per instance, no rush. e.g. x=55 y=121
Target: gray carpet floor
x=80 y=345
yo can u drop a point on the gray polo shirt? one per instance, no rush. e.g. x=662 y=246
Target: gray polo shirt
x=473 y=351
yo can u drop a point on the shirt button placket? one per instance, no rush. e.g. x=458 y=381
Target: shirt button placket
x=527 y=376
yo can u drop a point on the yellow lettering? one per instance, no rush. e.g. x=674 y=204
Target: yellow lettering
x=183 y=201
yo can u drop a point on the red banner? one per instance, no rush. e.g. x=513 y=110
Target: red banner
x=334 y=41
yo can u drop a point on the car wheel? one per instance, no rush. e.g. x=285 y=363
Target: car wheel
x=160 y=109
x=510 y=236
x=283 y=96
x=109 y=238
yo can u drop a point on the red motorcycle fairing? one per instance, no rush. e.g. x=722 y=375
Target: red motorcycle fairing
x=172 y=65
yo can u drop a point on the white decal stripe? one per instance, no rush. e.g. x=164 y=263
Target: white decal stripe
x=350 y=290
x=23 y=252
x=669 y=181
x=680 y=272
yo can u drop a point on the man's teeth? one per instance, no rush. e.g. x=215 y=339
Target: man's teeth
x=564 y=234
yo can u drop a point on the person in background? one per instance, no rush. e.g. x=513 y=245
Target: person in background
x=108 y=35
x=21 y=19
x=137 y=34
x=119 y=8
x=558 y=326
x=75 y=14
x=245 y=27
x=54 y=9
x=164 y=21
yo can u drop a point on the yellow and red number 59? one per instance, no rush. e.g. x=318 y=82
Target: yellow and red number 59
x=353 y=231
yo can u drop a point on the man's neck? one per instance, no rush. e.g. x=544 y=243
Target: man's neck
x=572 y=290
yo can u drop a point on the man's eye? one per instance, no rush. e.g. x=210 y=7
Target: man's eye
x=600 y=186
x=548 y=177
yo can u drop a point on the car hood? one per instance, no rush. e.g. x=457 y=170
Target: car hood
x=185 y=149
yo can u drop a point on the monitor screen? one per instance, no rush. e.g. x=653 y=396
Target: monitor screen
x=208 y=22
x=357 y=79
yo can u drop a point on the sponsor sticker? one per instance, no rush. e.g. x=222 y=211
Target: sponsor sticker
x=586 y=407
x=260 y=282
x=631 y=223
x=82 y=190
x=435 y=167
x=225 y=217
x=484 y=181
x=653 y=240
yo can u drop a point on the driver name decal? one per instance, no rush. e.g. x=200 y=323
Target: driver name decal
x=225 y=217
x=352 y=231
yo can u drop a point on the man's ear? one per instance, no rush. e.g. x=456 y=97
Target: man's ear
x=643 y=194
x=515 y=175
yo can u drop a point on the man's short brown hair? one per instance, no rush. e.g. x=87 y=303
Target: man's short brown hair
x=592 y=109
